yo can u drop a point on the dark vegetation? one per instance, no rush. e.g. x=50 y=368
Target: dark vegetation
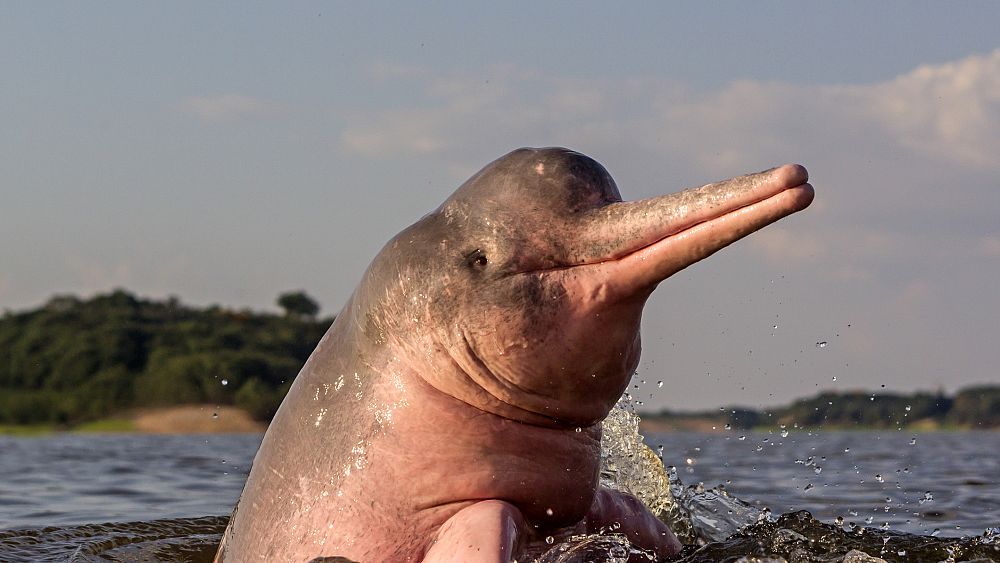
x=74 y=360
x=971 y=408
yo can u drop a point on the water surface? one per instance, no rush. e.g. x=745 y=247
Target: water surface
x=946 y=483
x=68 y=479
x=60 y=495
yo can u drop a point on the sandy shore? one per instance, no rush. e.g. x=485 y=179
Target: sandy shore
x=194 y=419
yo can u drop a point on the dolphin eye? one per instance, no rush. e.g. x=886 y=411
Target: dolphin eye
x=476 y=259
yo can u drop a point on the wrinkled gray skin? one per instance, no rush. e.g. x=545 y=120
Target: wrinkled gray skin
x=452 y=410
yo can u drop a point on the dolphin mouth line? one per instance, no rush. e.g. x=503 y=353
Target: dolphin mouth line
x=681 y=231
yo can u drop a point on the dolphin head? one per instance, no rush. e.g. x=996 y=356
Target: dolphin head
x=522 y=293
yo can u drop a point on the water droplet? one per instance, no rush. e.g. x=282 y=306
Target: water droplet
x=807 y=487
x=784 y=433
x=215 y=415
x=225 y=382
x=818 y=470
x=879 y=478
x=839 y=521
x=548 y=511
x=689 y=461
x=659 y=384
x=908 y=407
x=578 y=429
x=821 y=344
x=741 y=438
x=913 y=441
x=834 y=378
x=617 y=553
x=550 y=540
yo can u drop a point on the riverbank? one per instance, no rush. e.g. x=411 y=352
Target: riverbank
x=181 y=419
x=211 y=419
x=656 y=425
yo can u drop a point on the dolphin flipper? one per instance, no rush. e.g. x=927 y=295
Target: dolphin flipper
x=487 y=531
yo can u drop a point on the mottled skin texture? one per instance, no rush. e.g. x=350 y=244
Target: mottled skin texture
x=452 y=410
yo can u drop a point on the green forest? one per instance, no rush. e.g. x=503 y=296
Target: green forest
x=74 y=360
x=970 y=408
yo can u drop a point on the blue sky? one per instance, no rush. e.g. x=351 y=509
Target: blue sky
x=226 y=152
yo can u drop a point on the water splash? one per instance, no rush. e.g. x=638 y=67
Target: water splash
x=718 y=527
x=628 y=465
x=610 y=548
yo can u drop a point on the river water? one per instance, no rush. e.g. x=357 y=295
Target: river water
x=59 y=493
x=945 y=483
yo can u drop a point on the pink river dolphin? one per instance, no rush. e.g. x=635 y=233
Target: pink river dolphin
x=452 y=412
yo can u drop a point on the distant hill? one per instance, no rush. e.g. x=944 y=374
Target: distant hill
x=74 y=360
x=971 y=408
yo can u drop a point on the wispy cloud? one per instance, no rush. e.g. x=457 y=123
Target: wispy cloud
x=913 y=298
x=949 y=112
x=389 y=70
x=225 y=106
x=896 y=161
x=452 y=112
x=394 y=133
x=778 y=244
x=989 y=246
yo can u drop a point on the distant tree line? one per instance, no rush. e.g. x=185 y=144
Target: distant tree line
x=973 y=407
x=75 y=360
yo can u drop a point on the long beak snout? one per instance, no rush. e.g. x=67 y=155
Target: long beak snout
x=647 y=241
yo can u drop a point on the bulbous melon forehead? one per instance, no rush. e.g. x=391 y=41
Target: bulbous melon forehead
x=527 y=179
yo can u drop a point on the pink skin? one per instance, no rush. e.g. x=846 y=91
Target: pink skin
x=452 y=412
